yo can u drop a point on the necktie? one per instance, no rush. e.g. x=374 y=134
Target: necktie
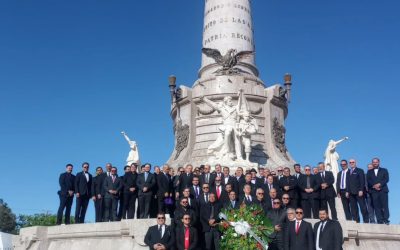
x=160 y=231
x=297 y=227
x=342 y=182
x=218 y=192
x=207 y=178
x=308 y=182
x=145 y=176
x=321 y=229
x=113 y=178
x=233 y=204
x=197 y=191
x=187 y=238
x=270 y=186
x=212 y=212
x=206 y=197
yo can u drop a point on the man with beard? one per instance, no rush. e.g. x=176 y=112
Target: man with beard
x=328 y=233
x=328 y=193
x=98 y=194
x=66 y=194
x=209 y=221
x=183 y=209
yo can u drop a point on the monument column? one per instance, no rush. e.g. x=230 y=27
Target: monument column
x=228 y=25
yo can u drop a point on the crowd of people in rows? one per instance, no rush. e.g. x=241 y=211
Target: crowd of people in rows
x=193 y=197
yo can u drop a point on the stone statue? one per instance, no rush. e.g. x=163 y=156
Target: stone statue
x=227 y=144
x=133 y=156
x=246 y=127
x=332 y=157
x=228 y=61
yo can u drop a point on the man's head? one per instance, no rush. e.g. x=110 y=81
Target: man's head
x=307 y=170
x=299 y=213
x=181 y=170
x=286 y=172
x=228 y=188
x=196 y=171
x=165 y=168
x=108 y=167
x=323 y=214
x=69 y=168
x=370 y=166
x=99 y=171
x=160 y=218
x=218 y=168
x=147 y=167
x=246 y=116
x=375 y=162
x=290 y=212
x=277 y=203
x=114 y=170
x=247 y=189
x=127 y=169
x=315 y=170
x=261 y=171
x=321 y=166
x=157 y=169
x=85 y=167
x=133 y=168
x=184 y=202
x=272 y=193
x=343 y=164
x=186 y=192
x=270 y=179
x=186 y=219
x=217 y=180
x=267 y=172
x=260 y=194
x=207 y=169
x=253 y=173
x=239 y=172
x=232 y=195
x=285 y=199
x=211 y=198
x=226 y=171
x=297 y=168
x=189 y=168
x=205 y=188
x=353 y=163
x=195 y=181
x=280 y=170
x=248 y=177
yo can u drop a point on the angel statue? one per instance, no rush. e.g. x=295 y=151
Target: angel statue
x=133 y=156
x=332 y=157
x=228 y=61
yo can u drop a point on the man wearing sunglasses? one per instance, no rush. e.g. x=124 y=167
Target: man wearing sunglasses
x=310 y=190
x=160 y=236
x=186 y=235
x=299 y=233
x=278 y=217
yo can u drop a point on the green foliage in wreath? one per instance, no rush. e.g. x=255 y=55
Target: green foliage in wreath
x=254 y=215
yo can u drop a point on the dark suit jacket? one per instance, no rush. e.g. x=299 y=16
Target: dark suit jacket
x=314 y=184
x=211 y=180
x=339 y=179
x=291 y=182
x=329 y=192
x=331 y=238
x=184 y=181
x=202 y=200
x=223 y=194
x=241 y=186
x=180 y=238
x=228 y=205
x=266 y=189
x=206 y=215
x=231 y=180
x=153 y=237
x=129 y=181
x=382 y=178
x=304 y=240
x=180 y=212
x=164 y=184
x=82 y=186
x=277 y=217
x=193 y=192
x=109 y=185
x=355 y=181
x=97 y=185
x=67 y=183
x=245 y=201
x=149 y=183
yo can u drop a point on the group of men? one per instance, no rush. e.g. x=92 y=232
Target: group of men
x=193 y=198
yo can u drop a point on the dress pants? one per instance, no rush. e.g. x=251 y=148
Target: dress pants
x=380 y=200
x=345 y=203
x=332 y=206
x=80 y=210
x=370 y=208
x=212 y=239
x=310 y=205
x=65 y=203
x=98 y=205
x=110 y=208
x=129 y=205
x=356 y=201
x=144 y=204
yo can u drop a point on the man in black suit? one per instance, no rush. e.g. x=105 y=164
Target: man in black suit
x=192 y=203
x=130 y=193
x=278 y=218
x=160 y=236
x=341 y=188
x=186 y=237
x=165 y=188
x=247 y=198
x=185 y=180
x=297 y=174
x=232 y=203
x=83 y=186
x=218 y=190
x=204 y=196
x=228 y=179
x=247 y=181
x=145 y=183
x=111 y=188
x=66 y=194
x=97 y=193
x=299 y=233
x=239 y=179
x=328 y=193
x=207 y=176
x=288 y=185
x=377 y=179
x=183 y=208
x=260 y=200
x=209 y=221
x=327 y=233
x=270 y=183
x=310 y=189
x=355 y=189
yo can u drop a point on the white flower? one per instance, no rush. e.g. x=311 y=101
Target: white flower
x=241 y=227
x=235 y=234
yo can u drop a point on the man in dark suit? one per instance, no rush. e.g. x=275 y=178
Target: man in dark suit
x=288 y=185
x=355 y=189
x=145 y=183
x=278 y=218
x=341 y=188
x=247 y=181
x=328 y=193
x=209 y=221
x=185 y=179
x=97 y=193
x=232 y=203
x=66 y=194
x=204 y=196
x=225 y=195
x=129 y=193
x=165 y=188
x=299 y=233
x=377 y=179
x=182 y=209
x=83 y=186
x=270 y=183
x=328 y=233
x=111 y=188
x=207 y=176
x=195 y=188
x=160 y=236
x=261 y=201
x=218 y=190
x=239 y=179
x=247 y=198
x=192 y=203
x=228 y=179
x=310 y=189
x=186 y=237
x=297 y=174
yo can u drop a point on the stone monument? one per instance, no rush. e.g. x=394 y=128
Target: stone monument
x=332 y=157
x=229 y=116
x=133 y=156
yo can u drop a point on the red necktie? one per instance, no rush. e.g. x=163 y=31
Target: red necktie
x=218 y=192
x=297 y=227
x=187 y=238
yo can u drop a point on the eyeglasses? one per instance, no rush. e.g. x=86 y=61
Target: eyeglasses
x=182 y=172
x=298 y=212
x=275 y=203
x=351 y=162
x=284 y=198
x=161 y=218
x=186 y=218
x=185 y=202
x=307 y=169
x=260 y=193
x=205 y=187
x=280 y=170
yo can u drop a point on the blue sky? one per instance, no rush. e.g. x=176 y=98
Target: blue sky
x=73 y=74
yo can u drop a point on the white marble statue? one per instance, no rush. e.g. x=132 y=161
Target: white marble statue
x=246 y=127
x=133 y=156
x=332 y=157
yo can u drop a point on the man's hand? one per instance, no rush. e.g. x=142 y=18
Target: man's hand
x=286 y=188
x=347 y=195
x=211 y=222
x=278 y=228
x=99 y=196
x=132 y=189
x=166 y=194
x=144 y=189
x=94 y=198
x=338 y=195
x=71 y=193
x=360 y=193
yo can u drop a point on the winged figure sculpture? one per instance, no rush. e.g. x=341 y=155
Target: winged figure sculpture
x=228 y=61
